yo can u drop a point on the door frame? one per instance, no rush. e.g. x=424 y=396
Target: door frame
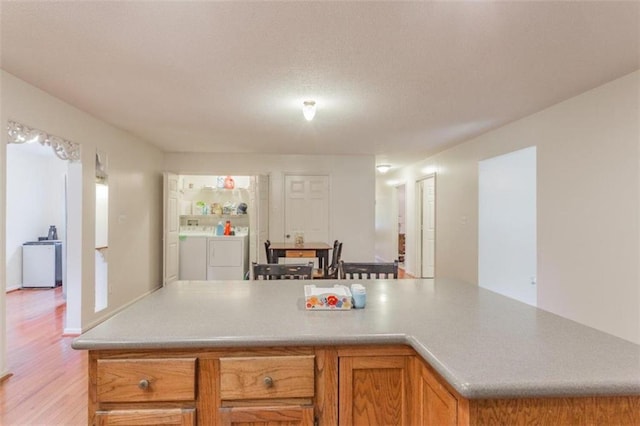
x=396 y=216
x=418 y=222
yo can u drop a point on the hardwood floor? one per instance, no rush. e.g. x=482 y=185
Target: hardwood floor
x=403 y=274
x=49 y=381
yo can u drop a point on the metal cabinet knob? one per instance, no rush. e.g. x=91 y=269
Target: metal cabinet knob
x=143 y=384
x=268 y=381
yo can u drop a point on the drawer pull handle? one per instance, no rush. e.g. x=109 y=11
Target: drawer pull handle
x=143 y=384
x=268 y=381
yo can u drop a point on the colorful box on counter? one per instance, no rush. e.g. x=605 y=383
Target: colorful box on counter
x=337 y=297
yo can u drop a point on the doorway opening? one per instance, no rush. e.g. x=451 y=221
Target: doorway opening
x=507 y=225
x=44 y=202
x=197 y=209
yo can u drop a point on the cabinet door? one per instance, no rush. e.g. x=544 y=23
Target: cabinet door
x=267 y=416
x=374 y=390
x=437 y=405
x=147 y=417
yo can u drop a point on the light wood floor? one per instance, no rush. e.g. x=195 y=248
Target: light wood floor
x=49 y=381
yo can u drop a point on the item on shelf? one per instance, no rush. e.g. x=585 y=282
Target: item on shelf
x=220 y=182
x=216 y=208
x=242 y=208
x=228 y=208
x=220 y=229
x=227 y=228
x=202 y=206
x=229 y=183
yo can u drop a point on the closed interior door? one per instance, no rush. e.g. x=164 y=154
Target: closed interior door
x=427 y=191
x=171 y=228
x=307 y=208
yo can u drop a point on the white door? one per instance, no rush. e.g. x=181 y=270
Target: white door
x=307 y=208
x=171 y=247
x=507 y=225
x=259 y=217
x=427 y=190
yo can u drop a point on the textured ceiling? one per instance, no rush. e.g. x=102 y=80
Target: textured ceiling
x=399 y=80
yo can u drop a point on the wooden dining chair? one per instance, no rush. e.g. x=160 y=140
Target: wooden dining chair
x=267 y=248
x=334 y=266
x=364 y=271
x=275 y=271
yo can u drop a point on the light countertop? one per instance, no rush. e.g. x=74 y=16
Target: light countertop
x=485 y=345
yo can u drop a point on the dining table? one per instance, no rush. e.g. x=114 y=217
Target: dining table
x=304 y=251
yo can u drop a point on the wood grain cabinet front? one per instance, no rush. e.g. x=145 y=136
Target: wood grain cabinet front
x=271 y=416
x=143 y=380
x=375 y=390
x=436 y=405
x=267 y=390
x=302 y=386
x=145 y=391
x=147 y=417
x=300 y=253
x=269 y=377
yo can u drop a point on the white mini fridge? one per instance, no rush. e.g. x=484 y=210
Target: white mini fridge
x=42 y=263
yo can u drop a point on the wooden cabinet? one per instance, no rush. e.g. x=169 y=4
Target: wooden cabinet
x=375 y=386
x=266 y=377
x=267 y=416
x=304 y=386
x=267 y=390
x=132 y=380
x=436 y=405
x=150 y=417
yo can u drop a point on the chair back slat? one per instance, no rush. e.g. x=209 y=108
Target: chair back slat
x=267 y=248
x=275 y=271
x=366 y=271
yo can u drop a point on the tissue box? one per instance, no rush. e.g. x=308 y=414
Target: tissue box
x=334 y=298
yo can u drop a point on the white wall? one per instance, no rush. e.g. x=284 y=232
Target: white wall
x=352 y=189
x=35 y=200
x=135 y=201
x=588 y=205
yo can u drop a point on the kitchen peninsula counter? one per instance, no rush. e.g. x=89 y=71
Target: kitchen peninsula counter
x=483 y=344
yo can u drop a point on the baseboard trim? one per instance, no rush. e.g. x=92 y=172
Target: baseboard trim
x=12 y=289
x=115 y=311
x=71 y=332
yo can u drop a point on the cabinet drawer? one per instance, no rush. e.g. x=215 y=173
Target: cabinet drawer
x=267 y=377
x=300 y=253
x=151 y=417
x=139 y=380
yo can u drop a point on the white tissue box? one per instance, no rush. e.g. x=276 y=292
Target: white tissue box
x=336 y=298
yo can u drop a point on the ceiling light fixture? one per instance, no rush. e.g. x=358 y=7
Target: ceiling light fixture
x=309 y=109
x=383 y=168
